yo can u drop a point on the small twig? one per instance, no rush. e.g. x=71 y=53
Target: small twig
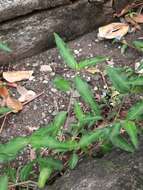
x=137 y=5
x=104 y=80
x=33 y=183
x=119 y=109
x=37 y=96
x=3 y=123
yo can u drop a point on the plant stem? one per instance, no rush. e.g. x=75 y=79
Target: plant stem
x=116 y=117
x=3 y=123
x=68 y=110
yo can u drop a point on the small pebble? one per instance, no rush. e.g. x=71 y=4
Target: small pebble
x=35 y=107
x=76 y=52
x=45 y=82
x=54 y=90
x=45 y=68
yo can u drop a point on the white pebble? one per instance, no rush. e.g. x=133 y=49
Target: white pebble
x=45 y=68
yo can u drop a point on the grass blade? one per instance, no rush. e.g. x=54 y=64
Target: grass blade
x=65 y=52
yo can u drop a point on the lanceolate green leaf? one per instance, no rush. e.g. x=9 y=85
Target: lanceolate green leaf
x=115 y=130
x=78 y=111
x=50 y=162
x=3 y=182
x=44 y=131
x=62 y=84
x=91 y=118
x=118 y=79
x=86 y=94
x=52 y=143
x=138 y=44
x=121 y=143
x=132 y=131
x=53 y=128
x=73 y=161
x=59 y=122
x=136 y=82
x=88 y=139
x=136 y=111
x=65 y=52
x=10 y=150
x=91 y=61
x=4 y=110
x=45 y=173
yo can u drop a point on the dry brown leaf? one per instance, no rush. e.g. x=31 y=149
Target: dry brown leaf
x=113 y=31
x=26 y=95
x=15 y=76
x=14 y=104
x=93 y=70
x=123 y=11
x=130 y=20
x=137 y=18
x=4 y=92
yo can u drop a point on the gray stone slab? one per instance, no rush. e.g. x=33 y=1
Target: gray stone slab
x=116 y=171
x=10 y=9
x=33 y=34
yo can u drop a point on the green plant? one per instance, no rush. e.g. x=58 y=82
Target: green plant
x=4 y=47
x=138 y=44
x=80 y=134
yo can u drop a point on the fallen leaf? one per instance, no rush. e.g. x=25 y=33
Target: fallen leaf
x=15 y=76
x=137 y=18
x=122 y=12
x=14 y=104
x=26 y=95
x=4 y=92
x=130 y=20
x=113 y=31
x=93 y=70
x=13 y=85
